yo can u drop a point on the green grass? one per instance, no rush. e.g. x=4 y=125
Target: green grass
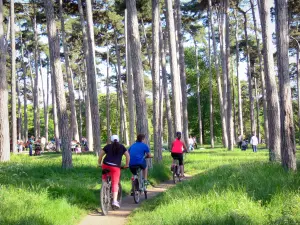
x=36 y=191
x=228 y=188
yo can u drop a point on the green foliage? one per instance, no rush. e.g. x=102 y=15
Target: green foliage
x=231 y=188
x=37 y=191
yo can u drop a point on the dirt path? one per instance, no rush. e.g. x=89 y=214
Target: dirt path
x=119 y=217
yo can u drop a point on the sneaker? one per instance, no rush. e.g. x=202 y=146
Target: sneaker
x=116 y=204
x=146 y=182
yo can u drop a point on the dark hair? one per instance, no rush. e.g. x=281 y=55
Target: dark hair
x=116 y=147
x=140 y=137
x=178 y=135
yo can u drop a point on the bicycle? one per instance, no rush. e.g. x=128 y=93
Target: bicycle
x=176 y=171
x=106 y=196
x=138 y=184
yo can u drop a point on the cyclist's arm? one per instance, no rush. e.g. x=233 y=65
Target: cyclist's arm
x=127 y=158
x=102 y=153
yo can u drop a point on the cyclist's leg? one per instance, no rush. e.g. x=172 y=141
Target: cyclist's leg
x=145 y=170
x=115 y=179
x=180 y=159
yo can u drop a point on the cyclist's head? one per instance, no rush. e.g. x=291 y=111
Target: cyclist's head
x=114 y=138
x=140 y=138
x=115 y=144
x=178 y=135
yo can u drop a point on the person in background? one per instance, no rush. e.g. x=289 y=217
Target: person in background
x=240 y=141
x=30 y=144
x=254 y=142
x=195 y=142
x=20 y=146
x=78 y=148
x=191 y=143
x=177 y=152
x=43 y=143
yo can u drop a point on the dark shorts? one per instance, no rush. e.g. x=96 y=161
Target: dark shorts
x=134 y=168
x=179 y=157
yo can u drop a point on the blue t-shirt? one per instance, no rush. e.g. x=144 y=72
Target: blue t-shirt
x=137 y=152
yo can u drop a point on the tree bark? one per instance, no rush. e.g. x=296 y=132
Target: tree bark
x=47 y=103
x=4 y=122
x=37 y=125
x=229 y=94
x=182 y=74
x=91 y=74
x=25 y=132
x=288 y=145
x=257 y=110
x=55 y=118
x=130 y=94
x=263 y=83
x=59 y=85
x=250 y=87
x=19 y=118
x=146 y=43
x=271 y=86
x=163 y=50
x=44 y=99
x=74 y=124
x=198 y=97
x=80 y=106
x=155 y=81
x=211 y=113
x=13 y=78
x=108 y=98
x=240 y=111
x=219 y=85
x=298 y=84
x=176 y=86
x=123 y=128
x=138 y=74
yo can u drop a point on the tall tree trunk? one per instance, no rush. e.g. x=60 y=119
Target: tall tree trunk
x=249 y=68
x=288 y=145
x=176 y=86
x=107 y=98
x=37 y=125
x=123 y=129
x=211 y=113
x=257 y=110
x=13 y=78
x=4 y=122
x=137 y=69
x=146 y=43
x=155 y=81
x=59 y=85
x=55 y=118
x=163 y=50
x=182 y=75
x=222 y=25
x=198 y=96
x=80 y=106
x=263 y=83
x=19 y=118
x=91 y=74
x=217 y=68
x=25 y=132
x=74 y=124
x=47 y=103
x=130 y=94
x=298 y=84
x=240 y=111
x=229 y=94
x=89 y=129
x=44 y=98
x=271 y=86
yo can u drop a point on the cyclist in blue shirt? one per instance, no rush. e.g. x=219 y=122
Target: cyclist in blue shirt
x=137 y=153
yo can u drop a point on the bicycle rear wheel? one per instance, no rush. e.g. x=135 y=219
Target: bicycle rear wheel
x=104 y=198
x=136 y=191
x=174 y=174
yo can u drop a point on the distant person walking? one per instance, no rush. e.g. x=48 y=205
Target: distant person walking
x=43 y=143
x=30 y=144
x=240 y=141
x=254 y=142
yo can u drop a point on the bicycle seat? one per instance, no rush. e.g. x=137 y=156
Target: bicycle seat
x=105 y=171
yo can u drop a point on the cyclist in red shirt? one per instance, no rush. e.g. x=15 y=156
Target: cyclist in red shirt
x=177 y=151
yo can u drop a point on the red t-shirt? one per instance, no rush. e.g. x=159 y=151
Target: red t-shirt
x=177 y=146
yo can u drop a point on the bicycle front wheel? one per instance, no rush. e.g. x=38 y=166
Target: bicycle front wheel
x=104 y=198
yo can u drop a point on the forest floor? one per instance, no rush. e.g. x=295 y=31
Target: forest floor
x=227 y=188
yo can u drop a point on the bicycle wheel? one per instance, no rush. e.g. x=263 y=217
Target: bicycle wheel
x=105 y=198
x=120 y=194
x=136 y=191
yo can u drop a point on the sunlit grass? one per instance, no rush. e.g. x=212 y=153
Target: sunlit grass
x=231 y=188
